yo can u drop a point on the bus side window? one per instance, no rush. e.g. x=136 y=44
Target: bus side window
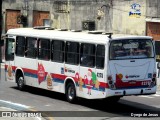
x=100 y=55
x=31 y=47
x=72 y=53
x=20 y=46
x=87 y=55
x=57 y=51
x=44 y=49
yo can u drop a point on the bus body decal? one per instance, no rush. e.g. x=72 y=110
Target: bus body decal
x=41 y=73
x=10 y=71
x=59 y=78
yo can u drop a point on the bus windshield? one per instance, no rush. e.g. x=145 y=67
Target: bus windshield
x=131 y=49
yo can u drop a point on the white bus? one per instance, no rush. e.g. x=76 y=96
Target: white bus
x=79 y=64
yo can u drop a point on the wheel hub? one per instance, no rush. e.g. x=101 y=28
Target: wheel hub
x=70 y=93
x=20 y=81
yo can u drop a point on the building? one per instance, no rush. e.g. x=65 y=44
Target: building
x=62 y=14
x=153 y=19
x=24 y=13
x=129 y=17
x=118 y=16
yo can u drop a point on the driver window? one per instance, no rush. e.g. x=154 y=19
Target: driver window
x=10 y=49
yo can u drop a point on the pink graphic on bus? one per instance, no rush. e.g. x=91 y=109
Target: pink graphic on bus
x=41 y=73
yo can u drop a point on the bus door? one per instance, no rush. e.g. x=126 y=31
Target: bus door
x=100 y=78
x=71 y=68
x=51 y=66
x=26 y=50
x=45 y=67
x=131 y=64
x=87 y=70
x=9 y=58
x=157 y=45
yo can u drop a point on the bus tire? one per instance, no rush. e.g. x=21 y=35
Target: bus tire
x=71 y=92
x=20 y=82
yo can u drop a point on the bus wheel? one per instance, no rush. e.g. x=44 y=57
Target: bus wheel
x=71 y=93
x=20 y=82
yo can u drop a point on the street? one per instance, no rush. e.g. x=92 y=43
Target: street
x=42 y=100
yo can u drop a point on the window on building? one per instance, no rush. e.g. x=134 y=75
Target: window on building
x=72 y=53
x=44 y=49
x=88 y=25
x=20 y=46
x=87 y=55
x=31 y=47
x=100 y=55
x=57 y=51
x=60 y=6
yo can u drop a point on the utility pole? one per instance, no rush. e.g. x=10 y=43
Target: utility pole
x=68 y=12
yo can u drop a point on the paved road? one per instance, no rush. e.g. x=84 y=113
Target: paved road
x=42 y=100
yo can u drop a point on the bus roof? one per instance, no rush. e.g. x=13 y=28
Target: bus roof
x=125 y=36
x=69 y=35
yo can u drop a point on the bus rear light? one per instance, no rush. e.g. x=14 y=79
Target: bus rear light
x=109 y=77
x=112 y=86
x=154 y=75
x=110 y=82
x=153 y=79
x=153 y=83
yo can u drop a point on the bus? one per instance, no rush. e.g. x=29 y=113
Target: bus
x=91 y=65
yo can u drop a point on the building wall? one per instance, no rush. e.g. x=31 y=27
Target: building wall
x=76 y=12
x=25 y=9
x=153 y=8
x=153 y=19
x=83 y=11
x=125 y=23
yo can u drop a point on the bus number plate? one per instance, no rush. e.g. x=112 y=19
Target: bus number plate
x=100 y=75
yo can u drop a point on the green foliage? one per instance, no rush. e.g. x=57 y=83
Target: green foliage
x=94 y=77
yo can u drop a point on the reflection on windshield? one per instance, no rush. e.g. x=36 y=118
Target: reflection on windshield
x=128 y=49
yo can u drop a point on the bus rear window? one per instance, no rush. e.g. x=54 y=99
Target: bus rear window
x=131 y=49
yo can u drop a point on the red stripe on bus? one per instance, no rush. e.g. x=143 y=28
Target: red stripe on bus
x=29 y=71
x=105 y=85
x=59 y=76
x=132 y=83
x=62 y=77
